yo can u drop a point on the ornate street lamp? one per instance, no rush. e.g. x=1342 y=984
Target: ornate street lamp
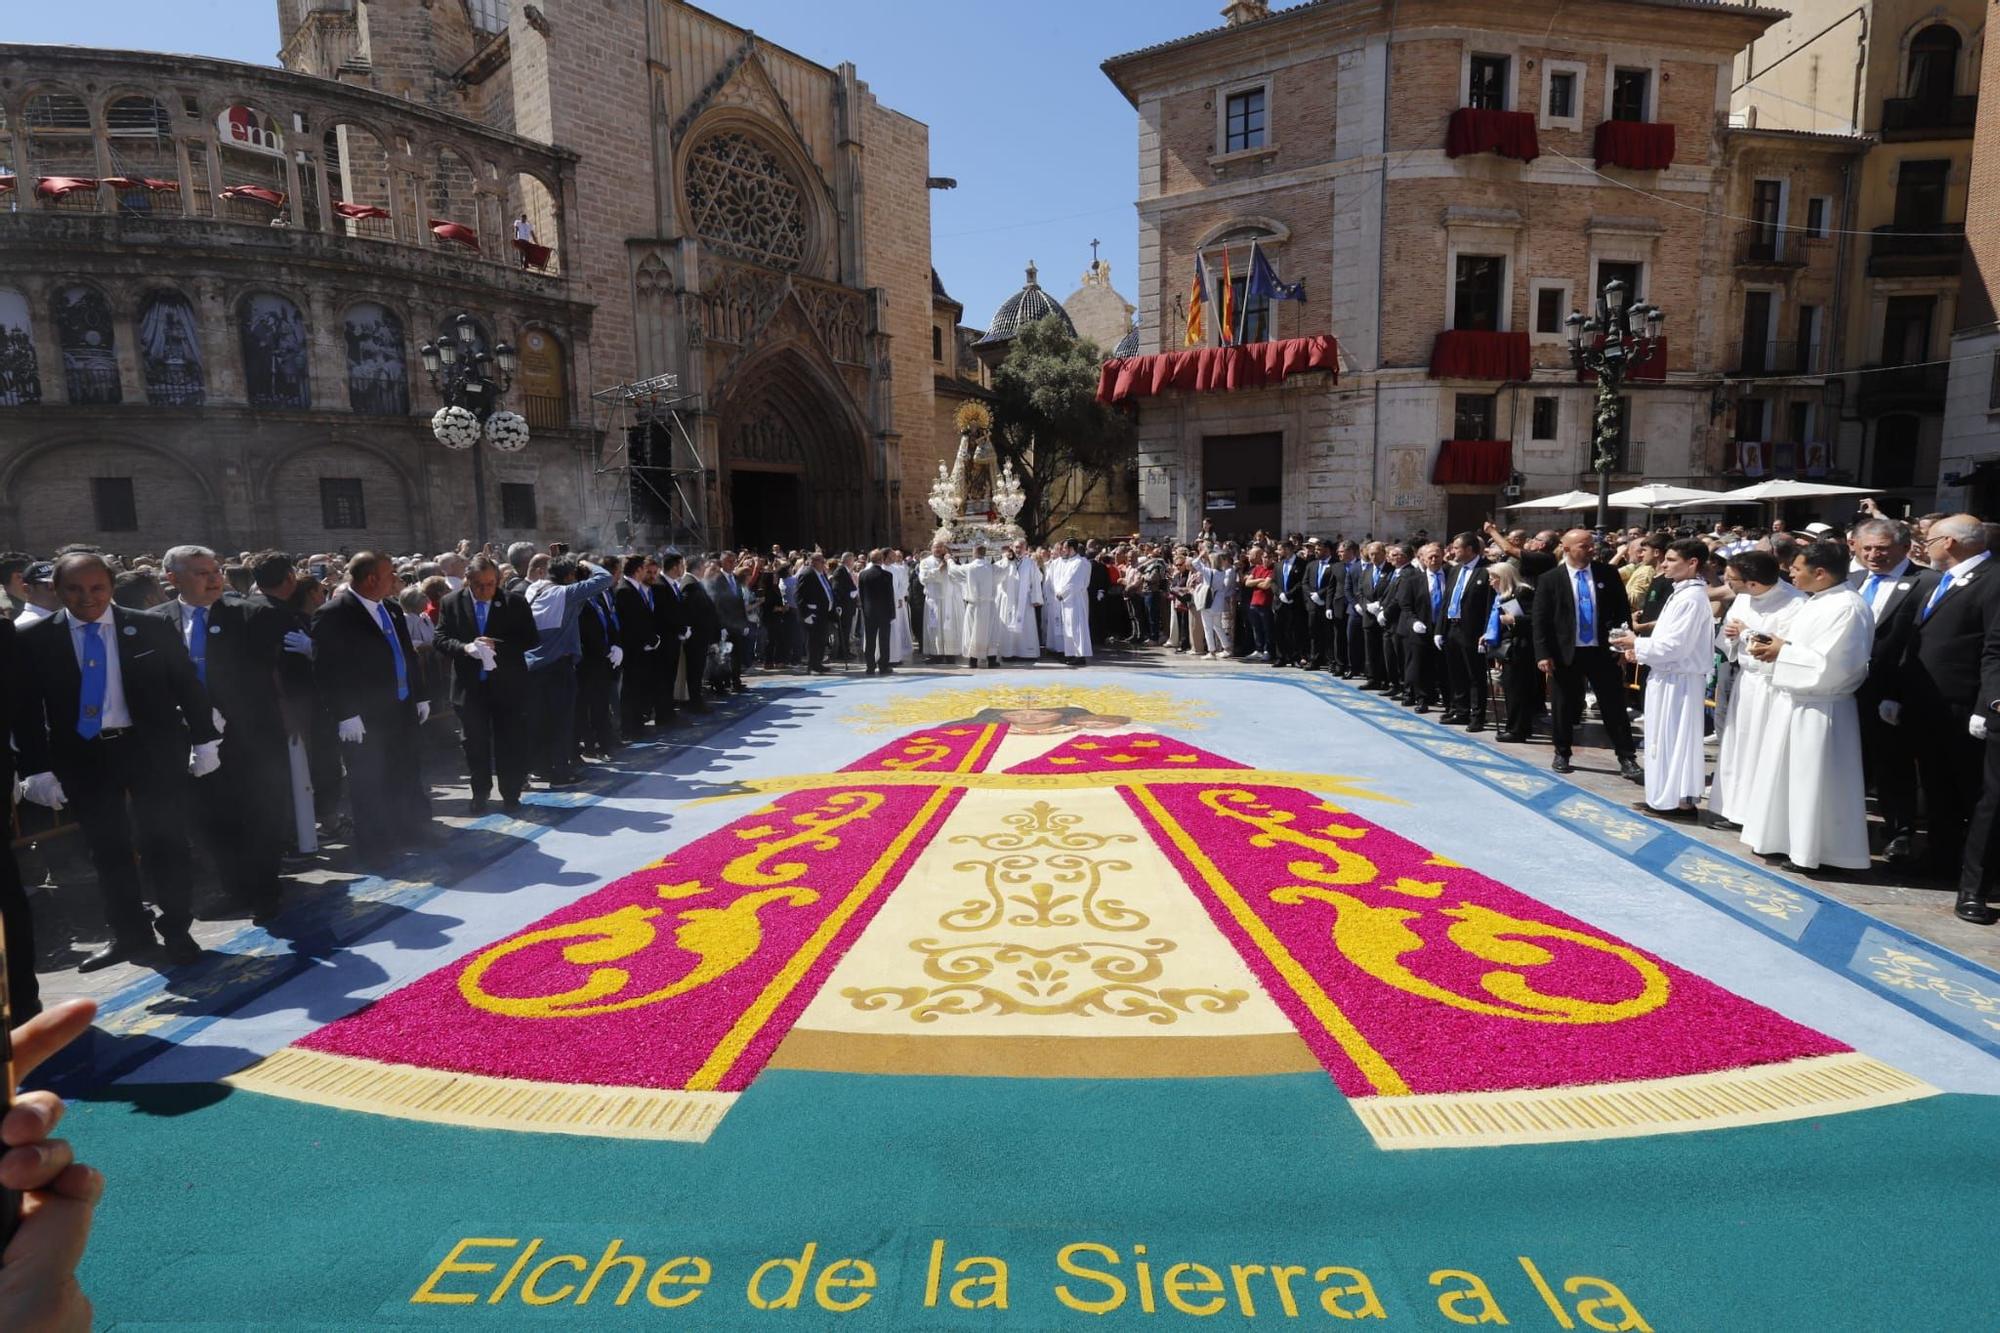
x=470 y=383
x=1607 y=345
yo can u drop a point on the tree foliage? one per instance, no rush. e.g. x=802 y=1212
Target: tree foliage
x=1048 y=422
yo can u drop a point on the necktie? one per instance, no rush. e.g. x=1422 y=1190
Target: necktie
x=1868 y=589
x=396 y=650
x=1586 y=611
x=479 y=610
x=1944 y=585
x=1458 y=590
x=1437 y=593
x=96 y=677
x=198 y=641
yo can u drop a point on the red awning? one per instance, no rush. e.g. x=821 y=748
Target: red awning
x=1475 y=354
x=1212 y=369
x=161 y=187
x=455 y=231
x=1508 y=133
x=1652 y=366
x=532 y=255
x=359 y=212
x=1637 y=145
x=1473 y=463
x=262 y=194
x=8 y=181
x=55 y=187
x=121 y=183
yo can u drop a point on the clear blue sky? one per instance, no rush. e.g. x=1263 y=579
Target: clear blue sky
x=1045 y=151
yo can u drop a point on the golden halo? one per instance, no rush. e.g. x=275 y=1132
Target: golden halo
x=944 y=705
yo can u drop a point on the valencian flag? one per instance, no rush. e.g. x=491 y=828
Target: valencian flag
x=1226 y=298
x=1197 y=323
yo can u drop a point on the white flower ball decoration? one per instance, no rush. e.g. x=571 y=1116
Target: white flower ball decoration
x=508 y=431
x=455 y=427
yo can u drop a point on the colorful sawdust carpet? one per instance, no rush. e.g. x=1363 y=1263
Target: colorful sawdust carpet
x=1026 y=1005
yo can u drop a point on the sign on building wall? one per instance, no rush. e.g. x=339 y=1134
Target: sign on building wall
x=1406 y=478
x=1156 y=493
x=246 y=127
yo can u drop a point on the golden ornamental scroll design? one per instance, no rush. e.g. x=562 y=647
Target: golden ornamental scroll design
x=1058 y=888
x=1081 y=978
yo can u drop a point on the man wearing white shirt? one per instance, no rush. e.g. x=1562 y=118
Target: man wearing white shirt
x=1886 y=578
x=39 y=599
x=1767 y=605
x=108 y=705
x=1678 y=653
x=943 y=607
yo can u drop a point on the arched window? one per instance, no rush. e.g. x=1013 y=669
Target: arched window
x=531 y=209
x=543 y=383
x=1253 y=313
x=378 y=383
x=276 y=372
x=252 y=155
x=170 y=347
x=90 y=357
x=1934 y=64
x=57 y=126
x=357 y=174
x=20 y=377
x=452 y=196
x=139 y=136
x=742 y=202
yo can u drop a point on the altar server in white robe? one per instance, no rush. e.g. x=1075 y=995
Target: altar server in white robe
x=1678 y=654
x=979 y=584
x=899 y=628
x=1766 y=606
x=1020 y=605
x=1046 y=559
x=1808 y=797
x=943 y=607
x=1069 y=582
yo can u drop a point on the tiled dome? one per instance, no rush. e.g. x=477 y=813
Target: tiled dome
x=1129 y=344
x=1022 y=309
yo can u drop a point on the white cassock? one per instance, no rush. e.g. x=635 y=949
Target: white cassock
x=1678 y=654
x=1743 y=727
x=941 y=607
x=1069 y=582
x=1020 y=608
x=1807 y=796
x=899 y=628
x=1051 y=609
x=979 y=584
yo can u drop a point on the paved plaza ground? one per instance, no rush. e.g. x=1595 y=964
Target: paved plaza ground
x=1047 y=998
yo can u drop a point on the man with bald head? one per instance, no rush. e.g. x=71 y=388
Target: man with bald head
x=1577 y=605
x=1937 y=693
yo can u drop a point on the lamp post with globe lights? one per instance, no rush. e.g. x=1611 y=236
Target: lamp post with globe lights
x=470 y=382
x=1608 y=345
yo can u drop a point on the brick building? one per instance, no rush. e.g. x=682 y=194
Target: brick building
x=1969 y=466
x=1448 y=180
x=732 y=213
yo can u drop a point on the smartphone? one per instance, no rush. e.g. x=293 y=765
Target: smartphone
x=317 y=569
x=10 y=1200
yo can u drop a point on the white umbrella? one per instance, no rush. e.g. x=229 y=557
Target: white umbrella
x=1567 y=500
x=1779 y=489
x=1655 y=494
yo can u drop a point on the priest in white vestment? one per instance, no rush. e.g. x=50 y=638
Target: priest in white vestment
x=1020 y=605
x=899 y=628
x=1051 y=609
x=979 y=584
x=1677 y=654
x=1766 y=606
x=943 y=607
x=1807 y=797
x=1069 y=583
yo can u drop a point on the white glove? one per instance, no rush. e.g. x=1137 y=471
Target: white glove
x=487 y=657
x=44 y=789
x=1438 y=639
x=475 y=651
x=1976 y=724
x=204 y=759
x=1382 y=620
x=221 y=722
x=617 y=656
x=300 y=642
x=1284 y=599
x=352 y=731
x=1889 y=711
x=687 y=634
x=1372 y=608
x=423 y=711
x=1329 y=613
x=1317 y=600
x=1418 y=627
x=810 y=619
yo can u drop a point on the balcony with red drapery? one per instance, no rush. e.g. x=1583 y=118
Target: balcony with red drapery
x=455 y=231
x=1636 y=145
x=1216 y=369
x=1508 y=133
x=1473 y=463
x=1480 y=354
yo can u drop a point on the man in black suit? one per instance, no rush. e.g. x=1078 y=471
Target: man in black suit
x=1402 y=569
x=368 y=677
x=24 y=999
x=1293 y=644
x=698 y=614
x=243 y=809
x=1326 y=611
x=1887 y=581
x=1574 y=650
x=844 y=593
x=816 y=604
x=108 y=707
x=1420 y=605
x=1100 y=593
x=725 y=592
x=1465 y=612
x=1364 y=633
x=598 y=659
x=878 y=611
x=485 y=634
x=647 y=690
x=1937 y=691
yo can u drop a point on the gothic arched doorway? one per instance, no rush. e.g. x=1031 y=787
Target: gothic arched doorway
x=793 y=469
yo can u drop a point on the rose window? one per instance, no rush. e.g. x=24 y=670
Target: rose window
x=743 y=203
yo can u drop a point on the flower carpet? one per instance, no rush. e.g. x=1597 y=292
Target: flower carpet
x=1065 y=1001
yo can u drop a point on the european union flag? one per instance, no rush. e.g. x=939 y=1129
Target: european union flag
x=1264 y=280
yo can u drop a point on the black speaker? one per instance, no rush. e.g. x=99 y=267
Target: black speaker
x=622 y=532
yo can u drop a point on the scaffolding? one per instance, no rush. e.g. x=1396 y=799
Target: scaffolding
x=656 y=462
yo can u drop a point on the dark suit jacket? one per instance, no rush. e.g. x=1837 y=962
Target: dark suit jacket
x=511 y=626
x=353 y=667
x=1362 y=587
x=878 y=596
x=169 y=708
x=1892 y=633
x=1474 y=605
x=638 y=625
x=1290 y=580
x=699 y=613
x=246 y=637
x=1940 y=676
x=730 y=608
x=843 y=589
x=1328 y=578
x=10 y=669
x=1413 y=603
x=814 y=594
x=1555 y=610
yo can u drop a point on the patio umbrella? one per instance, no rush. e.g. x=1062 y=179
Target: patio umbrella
x=1778 y=490
x=1654 y=495
x=1567 y=500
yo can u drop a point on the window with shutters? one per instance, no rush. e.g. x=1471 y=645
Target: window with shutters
x=517 y=505
x=116 y=505
x=340 y=503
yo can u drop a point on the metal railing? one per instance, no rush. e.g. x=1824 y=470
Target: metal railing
x=1905 y=115
x=1776 y=356
x=1770 y=246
